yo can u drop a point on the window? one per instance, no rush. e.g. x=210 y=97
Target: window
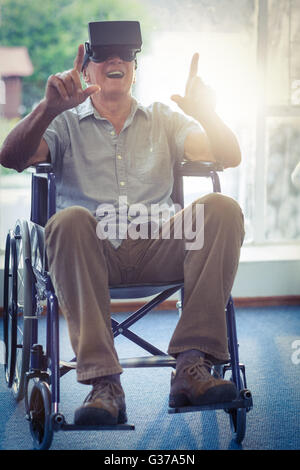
x=250 y=55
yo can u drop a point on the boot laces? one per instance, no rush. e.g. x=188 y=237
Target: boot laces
x=105 y=390
x=199 y=370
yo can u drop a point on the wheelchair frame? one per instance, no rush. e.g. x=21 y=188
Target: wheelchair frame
x=40 y=381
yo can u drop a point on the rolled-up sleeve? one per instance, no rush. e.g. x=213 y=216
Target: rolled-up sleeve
x=57 y=138
x=179 y=127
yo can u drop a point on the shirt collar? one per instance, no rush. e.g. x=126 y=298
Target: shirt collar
x=86 y=109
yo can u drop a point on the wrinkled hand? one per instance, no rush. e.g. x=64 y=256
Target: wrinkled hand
x=64 y=90
x=199 y=99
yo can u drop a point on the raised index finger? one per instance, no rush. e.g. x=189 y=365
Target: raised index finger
x=194 y=66
x=79 y=58
x=193 y=71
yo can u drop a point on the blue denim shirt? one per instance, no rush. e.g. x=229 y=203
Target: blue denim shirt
x=93 y=165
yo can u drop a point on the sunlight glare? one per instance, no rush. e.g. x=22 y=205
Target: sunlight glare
x=226 y=64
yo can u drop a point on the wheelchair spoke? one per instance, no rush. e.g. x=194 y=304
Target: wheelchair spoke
x=20 y=282
x=20 y=272
x=20 y=331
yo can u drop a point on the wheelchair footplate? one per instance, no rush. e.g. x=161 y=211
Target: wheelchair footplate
x=244 y=401
x=103 y=427
x=236 y=410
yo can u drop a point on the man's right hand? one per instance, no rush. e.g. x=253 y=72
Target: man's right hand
x=64 y=90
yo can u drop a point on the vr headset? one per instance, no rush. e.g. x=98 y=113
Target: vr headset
x=111 y=38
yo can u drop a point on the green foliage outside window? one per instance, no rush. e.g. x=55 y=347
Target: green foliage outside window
x=52 y=29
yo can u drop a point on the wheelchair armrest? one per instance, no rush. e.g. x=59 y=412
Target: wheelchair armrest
x=198 y=168
x=43 y=193
x=43 y=168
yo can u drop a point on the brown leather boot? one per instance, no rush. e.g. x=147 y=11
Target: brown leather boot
x=193 y=384
x=105 y=404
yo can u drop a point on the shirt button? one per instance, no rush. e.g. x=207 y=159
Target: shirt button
x=119 y=157
x=122 y=183
x=112 y=133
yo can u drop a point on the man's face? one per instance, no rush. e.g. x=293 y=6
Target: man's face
x=115 y=76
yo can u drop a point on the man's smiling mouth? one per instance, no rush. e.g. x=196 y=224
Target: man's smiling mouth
x=115 y=74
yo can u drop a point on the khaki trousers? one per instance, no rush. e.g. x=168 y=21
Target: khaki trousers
x=82 y=266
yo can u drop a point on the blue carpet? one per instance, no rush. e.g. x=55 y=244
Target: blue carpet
x=266 y=338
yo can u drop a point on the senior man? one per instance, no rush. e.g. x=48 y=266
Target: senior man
x=104 y=146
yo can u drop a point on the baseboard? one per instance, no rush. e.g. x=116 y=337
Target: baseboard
x=271 y=301
x=239 y=302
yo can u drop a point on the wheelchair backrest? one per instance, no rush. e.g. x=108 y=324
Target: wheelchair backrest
x=43 y=186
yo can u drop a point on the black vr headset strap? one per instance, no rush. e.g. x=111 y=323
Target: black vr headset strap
x=87 y=55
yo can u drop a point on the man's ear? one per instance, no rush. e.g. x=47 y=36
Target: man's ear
x=134 y=73
x=86 y=76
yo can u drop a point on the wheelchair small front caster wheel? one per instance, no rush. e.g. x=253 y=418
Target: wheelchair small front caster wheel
x=238 y=423
x=39 y=415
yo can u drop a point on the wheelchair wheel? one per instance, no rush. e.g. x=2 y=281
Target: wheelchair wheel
x=8 y=319
x=17 y=308
x=39 y=412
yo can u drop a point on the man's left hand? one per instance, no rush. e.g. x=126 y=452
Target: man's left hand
x=199 y=99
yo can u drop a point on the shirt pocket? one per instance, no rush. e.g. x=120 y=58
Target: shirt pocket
x=150 y=164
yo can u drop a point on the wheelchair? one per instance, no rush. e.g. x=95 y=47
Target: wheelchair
x=32 y=373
